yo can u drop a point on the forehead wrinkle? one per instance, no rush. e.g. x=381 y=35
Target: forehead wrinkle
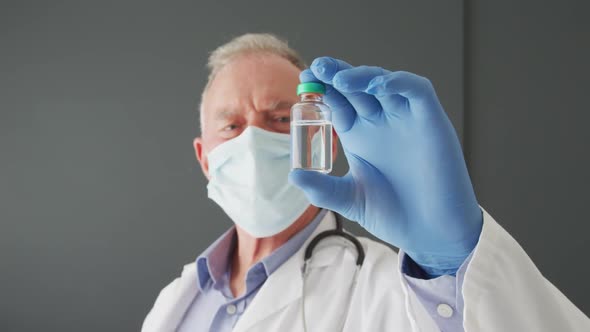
x=277 y=105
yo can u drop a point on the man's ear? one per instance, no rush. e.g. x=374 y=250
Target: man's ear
x=201 y=157
x=334 y=145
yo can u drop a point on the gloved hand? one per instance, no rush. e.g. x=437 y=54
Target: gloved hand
x=407 y=182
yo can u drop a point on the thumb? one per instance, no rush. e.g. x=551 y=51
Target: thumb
x=325 y=191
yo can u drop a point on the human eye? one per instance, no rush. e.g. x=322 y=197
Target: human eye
x=283 y=119
x=230 y=130
x=230 y=127
x=281 y=123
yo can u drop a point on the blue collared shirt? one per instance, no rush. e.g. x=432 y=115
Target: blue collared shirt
x=441 y=296
x=215 y=308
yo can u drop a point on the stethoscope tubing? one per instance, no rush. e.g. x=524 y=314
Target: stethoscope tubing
x=338 y=231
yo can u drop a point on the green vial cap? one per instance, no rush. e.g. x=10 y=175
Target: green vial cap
x=311 y=87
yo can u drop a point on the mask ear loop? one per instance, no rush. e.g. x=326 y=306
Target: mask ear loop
x=307 y=257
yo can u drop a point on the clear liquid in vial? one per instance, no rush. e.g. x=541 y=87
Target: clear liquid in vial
x=311 y=145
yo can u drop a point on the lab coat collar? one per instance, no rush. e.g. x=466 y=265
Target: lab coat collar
x=274 y=295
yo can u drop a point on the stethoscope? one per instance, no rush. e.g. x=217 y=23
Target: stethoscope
x=360 y=258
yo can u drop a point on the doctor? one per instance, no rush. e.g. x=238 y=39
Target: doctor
x=457 y=270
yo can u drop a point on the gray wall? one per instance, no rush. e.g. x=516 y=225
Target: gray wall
x=527 y=129
x=101 y=198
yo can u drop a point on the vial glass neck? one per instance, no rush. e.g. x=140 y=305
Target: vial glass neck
x=311 y=97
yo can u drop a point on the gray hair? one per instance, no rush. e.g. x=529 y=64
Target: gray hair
x=247 y=44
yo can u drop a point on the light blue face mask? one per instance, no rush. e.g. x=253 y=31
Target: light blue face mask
x=248 y=179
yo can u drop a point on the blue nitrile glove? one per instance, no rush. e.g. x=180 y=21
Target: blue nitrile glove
x=408 y=182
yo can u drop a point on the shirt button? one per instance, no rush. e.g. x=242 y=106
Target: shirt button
x=444 y=310
x=231 y=309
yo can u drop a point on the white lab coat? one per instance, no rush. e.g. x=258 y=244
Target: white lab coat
x=502 y=291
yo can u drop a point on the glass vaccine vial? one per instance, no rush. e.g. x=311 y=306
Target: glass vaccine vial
x=311 y=130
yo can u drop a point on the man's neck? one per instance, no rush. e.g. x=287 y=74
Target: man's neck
x=250 y=250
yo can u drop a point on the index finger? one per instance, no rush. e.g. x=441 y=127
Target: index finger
x=328 y=70
x=343 y=114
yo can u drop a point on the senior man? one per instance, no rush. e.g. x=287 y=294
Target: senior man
x=458 y=270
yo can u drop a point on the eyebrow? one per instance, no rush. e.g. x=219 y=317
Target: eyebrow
x=275 y=106
x=225 y=113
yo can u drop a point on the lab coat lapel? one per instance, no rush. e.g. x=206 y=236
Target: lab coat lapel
x=283 y=286
x=167 y=315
